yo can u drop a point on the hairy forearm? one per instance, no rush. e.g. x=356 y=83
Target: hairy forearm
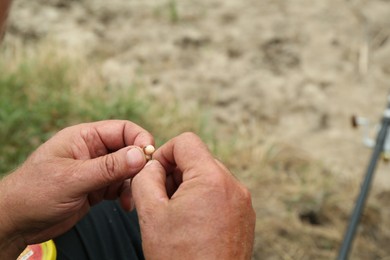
x=4 y=10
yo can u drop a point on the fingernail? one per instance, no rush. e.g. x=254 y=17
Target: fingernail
x=135 y=158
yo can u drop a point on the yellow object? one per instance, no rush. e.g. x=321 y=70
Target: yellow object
x=43 y=251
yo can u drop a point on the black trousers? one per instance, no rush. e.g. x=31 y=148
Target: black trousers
x=107 y=232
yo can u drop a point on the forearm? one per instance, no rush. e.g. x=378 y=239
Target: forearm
x=10 y=248
x=11 y=243
x=4 y=10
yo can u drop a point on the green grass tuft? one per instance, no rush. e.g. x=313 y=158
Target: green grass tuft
x=40 y=96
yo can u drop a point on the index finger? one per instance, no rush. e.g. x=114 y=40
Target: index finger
x=116 y=134
x=187 y=153
x=95 y=139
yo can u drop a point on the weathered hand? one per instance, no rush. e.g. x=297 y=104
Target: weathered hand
x=77 y=168
x=191 y=207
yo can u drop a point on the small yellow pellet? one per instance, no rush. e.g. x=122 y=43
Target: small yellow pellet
x=149 y=149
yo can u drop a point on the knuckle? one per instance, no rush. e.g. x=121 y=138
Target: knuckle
x=217 y=181
x=189 y=135
x=85 y=132
x=246 y=194
x=247 y=200
x=109 y=167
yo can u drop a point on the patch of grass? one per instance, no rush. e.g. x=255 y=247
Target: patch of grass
x=34 y=101
x=43 y=92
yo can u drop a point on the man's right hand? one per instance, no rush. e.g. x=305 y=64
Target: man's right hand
x=190 y=206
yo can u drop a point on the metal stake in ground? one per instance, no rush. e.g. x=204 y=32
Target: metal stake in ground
x=364 y=190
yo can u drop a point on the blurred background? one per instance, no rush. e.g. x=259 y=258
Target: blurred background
x=270 y=85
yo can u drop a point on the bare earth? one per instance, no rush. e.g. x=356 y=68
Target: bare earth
x=271 y=73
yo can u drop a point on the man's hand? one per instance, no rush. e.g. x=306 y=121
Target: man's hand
x=77 y=168
x=191 y=207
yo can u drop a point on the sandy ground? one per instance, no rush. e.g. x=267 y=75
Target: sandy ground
x=269 y=71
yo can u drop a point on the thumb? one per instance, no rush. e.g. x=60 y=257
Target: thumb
x=111 y=168
x=148 y=188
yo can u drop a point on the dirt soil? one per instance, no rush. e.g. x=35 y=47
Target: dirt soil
x=271 y=73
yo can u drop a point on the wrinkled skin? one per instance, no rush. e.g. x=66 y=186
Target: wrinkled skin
x=191 y=207
x=56 y=186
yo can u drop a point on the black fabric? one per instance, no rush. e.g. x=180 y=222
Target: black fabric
x=107 y=232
